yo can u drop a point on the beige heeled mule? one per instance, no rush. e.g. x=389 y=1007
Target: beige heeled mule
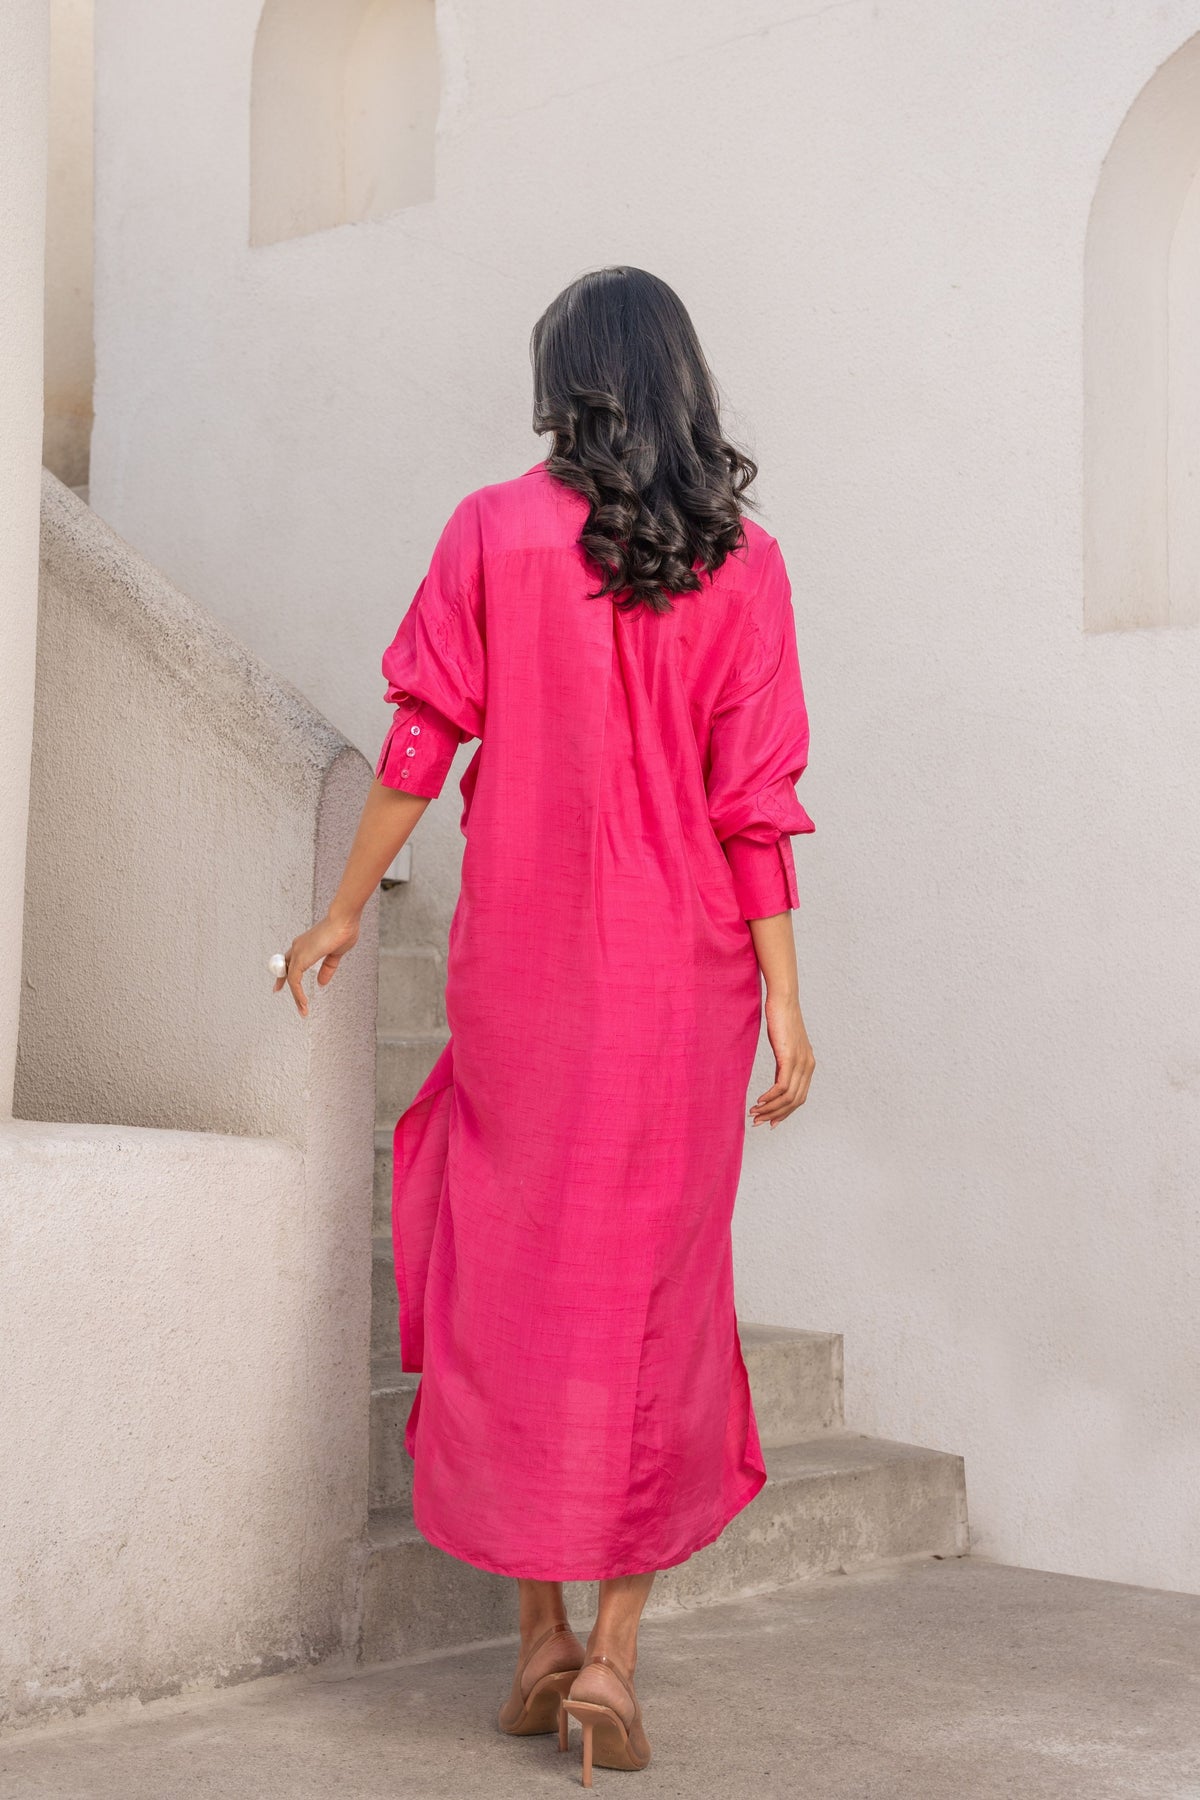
x=609 y=1741
x=524 y=1714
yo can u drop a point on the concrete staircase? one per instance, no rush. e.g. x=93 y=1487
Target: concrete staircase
x=834 y=1499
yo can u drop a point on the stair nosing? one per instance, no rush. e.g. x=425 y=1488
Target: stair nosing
x=782 y=1334
x=809 y=1457
x=806 y=1459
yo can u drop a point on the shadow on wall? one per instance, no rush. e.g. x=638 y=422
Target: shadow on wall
x=68 y=355
x=1142 y=362
x=343 y=113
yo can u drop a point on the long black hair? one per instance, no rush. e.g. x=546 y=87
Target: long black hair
x=621 y=381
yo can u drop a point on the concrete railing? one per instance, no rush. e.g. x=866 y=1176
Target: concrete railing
x=188 y=1278
x=189 y=811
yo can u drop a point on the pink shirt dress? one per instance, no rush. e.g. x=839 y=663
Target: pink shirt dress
x=565 y=1177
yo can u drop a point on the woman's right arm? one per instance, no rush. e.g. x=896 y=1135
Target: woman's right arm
x=436 y=671
x=775 y=948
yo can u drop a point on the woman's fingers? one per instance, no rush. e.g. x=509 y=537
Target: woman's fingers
x=326 y=943
x=789 y=1091
x=295 y=979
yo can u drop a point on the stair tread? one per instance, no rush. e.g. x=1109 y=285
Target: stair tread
x=833 y=1453
x=839 y=1451
x=751 y=1334
x=406 y=1039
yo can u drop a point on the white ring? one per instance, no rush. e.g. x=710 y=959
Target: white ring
x=278 y=965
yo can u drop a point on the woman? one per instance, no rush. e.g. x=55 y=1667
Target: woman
x=621 y=641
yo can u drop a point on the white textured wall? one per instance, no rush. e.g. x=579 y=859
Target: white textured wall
x=877 y=214
x=181 y=1501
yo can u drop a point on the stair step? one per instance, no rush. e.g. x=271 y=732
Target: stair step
x=412 y=989
x=795 y=1379
x=838 y=1501
x=401 y=1064
x=410 y=914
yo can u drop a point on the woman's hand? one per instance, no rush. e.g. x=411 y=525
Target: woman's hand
x=794 y=1062
x=325 y=943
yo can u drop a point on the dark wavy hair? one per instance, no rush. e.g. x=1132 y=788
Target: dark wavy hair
x=620 y=379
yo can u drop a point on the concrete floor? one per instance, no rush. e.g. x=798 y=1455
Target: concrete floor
x=958 y=1680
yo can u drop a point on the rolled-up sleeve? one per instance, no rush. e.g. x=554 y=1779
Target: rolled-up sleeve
x=436 y=666
x=419 y=747
x=758 y=749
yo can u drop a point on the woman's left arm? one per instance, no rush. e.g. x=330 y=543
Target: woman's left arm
x=387 y=821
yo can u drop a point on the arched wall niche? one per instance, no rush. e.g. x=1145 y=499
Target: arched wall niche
x=343 y=113
x=1142 y=362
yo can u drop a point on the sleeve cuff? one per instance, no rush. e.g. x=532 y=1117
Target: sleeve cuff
x=764 y=876
x=418 y=750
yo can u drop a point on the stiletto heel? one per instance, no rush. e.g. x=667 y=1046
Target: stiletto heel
x=609 y=1741
x=564 y=1724
x=541 y=1708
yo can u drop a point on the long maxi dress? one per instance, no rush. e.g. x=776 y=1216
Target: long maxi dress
x=565 y=1177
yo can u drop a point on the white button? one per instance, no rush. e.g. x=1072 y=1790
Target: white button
x=410 y=751
x=416 y=730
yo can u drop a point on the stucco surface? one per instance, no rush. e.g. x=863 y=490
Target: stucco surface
x=184 y=1414
x=181 y=828
x=877 y=214
x=187 y=1257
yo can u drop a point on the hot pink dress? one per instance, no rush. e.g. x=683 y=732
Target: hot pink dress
x=565 y=1177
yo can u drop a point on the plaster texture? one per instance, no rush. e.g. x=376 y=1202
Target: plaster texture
x=878 y=215
x=187 y=1271
x=179 y=785
x=925 y=1682
x=184 y=1415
